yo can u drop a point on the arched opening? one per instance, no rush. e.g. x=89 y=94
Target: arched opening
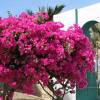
x=87 y=26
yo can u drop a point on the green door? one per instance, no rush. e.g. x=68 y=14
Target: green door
x=89 y=93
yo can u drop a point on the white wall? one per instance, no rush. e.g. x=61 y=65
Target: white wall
x=89 y=13
x=84 y=15
x=70 y=96
x=67 y=18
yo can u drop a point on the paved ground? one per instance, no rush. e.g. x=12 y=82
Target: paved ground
x=21 y=96
x=39 y=94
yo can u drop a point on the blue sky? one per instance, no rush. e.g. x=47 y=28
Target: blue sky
x=17 y=6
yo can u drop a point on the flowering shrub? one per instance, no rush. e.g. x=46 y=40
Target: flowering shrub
x=34 y=50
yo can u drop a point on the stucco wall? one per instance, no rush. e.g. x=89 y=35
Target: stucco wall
x=84 y=15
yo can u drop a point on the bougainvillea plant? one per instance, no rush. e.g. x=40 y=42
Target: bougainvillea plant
x=34 y=51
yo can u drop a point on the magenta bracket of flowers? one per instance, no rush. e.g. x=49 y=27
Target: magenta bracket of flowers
x=36 y=51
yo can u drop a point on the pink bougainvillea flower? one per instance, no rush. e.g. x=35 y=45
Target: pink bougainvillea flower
x=33 y=49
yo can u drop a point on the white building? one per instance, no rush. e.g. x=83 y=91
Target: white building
x=85 y=14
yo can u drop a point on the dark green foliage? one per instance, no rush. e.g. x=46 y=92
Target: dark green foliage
x=30 y=12
x=51 y=11
x=42 y=9
x=9 y=13
x=54 y=11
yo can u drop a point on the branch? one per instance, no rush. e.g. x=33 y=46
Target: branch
x=46 y=91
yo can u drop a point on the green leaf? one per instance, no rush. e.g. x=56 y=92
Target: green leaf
x=54 y=11
x=58 y=9
x=9 y=13
x=30 y=12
